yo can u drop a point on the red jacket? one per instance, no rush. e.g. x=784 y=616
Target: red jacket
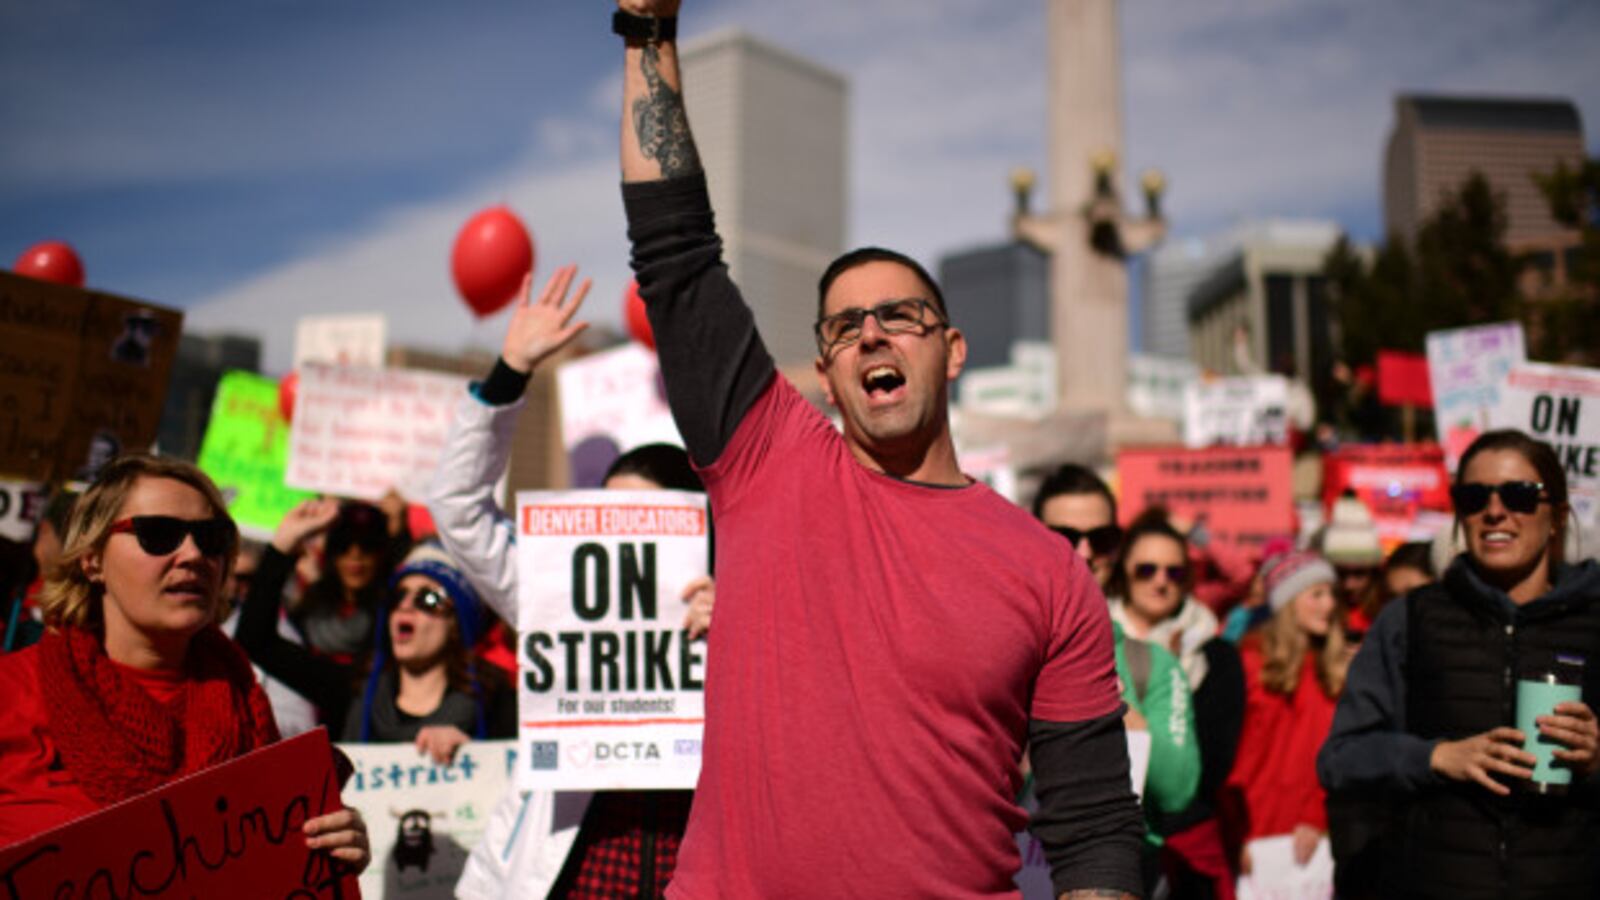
x=1273 y=786
x=36 y=792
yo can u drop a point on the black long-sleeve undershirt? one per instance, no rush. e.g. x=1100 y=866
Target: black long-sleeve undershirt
x=326 y=683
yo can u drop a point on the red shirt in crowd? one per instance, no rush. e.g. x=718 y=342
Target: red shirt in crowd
x=36 y=792
x=880 y=648
x=1274 y=784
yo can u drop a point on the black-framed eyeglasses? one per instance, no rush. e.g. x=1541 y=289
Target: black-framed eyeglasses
x=432 y=601
x=894 y=316
x=1147 y=570
x=161 y=535
x=1517 y=496
x=1103 y=540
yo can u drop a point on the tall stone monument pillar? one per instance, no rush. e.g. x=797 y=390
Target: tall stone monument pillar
x=1085 y=229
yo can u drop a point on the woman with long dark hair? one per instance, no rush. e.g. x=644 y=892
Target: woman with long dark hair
x=133 y=685
x=1427 y=718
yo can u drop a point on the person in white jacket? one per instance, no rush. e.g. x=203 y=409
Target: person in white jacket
x=530 y=835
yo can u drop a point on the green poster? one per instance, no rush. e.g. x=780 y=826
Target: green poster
x=246 y=450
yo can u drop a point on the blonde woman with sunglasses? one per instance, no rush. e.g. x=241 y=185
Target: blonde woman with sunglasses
x=133 y=685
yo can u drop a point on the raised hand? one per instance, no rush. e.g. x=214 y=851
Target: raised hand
x=660 y=8
x=306 y=519
x=540 y=327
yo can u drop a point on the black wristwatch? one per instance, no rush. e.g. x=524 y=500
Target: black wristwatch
x=650 y=29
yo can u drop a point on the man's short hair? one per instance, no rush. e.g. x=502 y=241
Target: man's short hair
x=1073 y=479
x=863 y=255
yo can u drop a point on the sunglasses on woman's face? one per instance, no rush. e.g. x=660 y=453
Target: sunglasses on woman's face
x=429 y=600
x=1146 y=571
x=1516 y=496
x=1102 y=540
x=161 y=535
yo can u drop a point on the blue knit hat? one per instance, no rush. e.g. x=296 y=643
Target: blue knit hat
x=428 y=559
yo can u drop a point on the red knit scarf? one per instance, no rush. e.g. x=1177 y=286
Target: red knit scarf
x=119 y=742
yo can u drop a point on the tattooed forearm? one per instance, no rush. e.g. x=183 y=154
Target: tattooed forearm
x=660 y=123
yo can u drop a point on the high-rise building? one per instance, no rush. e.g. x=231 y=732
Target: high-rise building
x=192 y=387
x=998 y=295
x=1171 y=273
x=771 y=130
x=1264 y=305
x=1439 y=141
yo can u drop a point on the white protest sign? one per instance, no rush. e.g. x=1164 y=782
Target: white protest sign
x=1274 y=875
x=21 y=503
x=1156 y=385
x=992 y=466
x=1466 y=367
x=423 y=819
x=610 y=691
x=1241 y=412
x=1559 y=405
x=359 y=432
x=611 y=402
x=356 y=340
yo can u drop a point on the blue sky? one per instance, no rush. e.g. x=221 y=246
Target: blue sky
x=259 y=159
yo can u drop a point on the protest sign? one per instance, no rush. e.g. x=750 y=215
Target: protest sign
x=1466 y=367
x=83 y=376
x=246 y=452
x=341 y=340
x=611 y=402
x=1404 y=486
x=423 y=818
x=1274 y=874
x=359 y=432
x=21 y=504
x=1157 y=384
x=207 y=835
x=1236 y=412
x=1244 y=496
x=992 y=466
x=1561 y=406
x=610 y=690
x=1403 y=379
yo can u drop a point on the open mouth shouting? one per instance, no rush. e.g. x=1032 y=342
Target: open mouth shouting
x=883 y=383
x=403 y=631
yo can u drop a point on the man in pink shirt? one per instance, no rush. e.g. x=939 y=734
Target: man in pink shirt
x=891 y=634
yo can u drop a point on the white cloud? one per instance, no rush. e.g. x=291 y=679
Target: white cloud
x=400 y=265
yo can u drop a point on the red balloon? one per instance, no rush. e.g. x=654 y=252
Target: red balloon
x=492 y=254
x=633 y=313
x=288 y=391
x=54 y=261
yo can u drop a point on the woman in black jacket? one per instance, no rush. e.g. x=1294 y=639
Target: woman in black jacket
x=1426 y=718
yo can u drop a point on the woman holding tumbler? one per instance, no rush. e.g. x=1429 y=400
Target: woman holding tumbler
x=1428 y=713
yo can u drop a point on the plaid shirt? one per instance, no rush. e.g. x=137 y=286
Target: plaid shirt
x=628 y=838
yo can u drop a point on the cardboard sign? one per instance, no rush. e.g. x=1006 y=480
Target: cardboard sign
x=1403 y=379
x=610 y=690
x=83 y=376
x=246 y=452
x=1236 y=412
x=1404 y=486
x=1244 y=495
x=341 y=340
x=611 y=402
x=1466 y=367
x=21 y=504
x=1559 y=405
x=359 y=432
x=423 y=818
x=1274 y=875
x=207 y=835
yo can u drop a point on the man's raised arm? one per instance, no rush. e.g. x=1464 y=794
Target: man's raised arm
x=712 y=360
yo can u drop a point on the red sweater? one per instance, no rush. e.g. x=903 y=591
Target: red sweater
x=1273 y=786
x=36 y=792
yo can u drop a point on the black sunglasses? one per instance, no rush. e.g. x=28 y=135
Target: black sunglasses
x=161 y=535
x=429 y=600
x=1147 y=571
x=1102 y=540
x=1517 y=496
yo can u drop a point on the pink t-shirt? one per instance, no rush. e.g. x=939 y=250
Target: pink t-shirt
x=880 y=647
